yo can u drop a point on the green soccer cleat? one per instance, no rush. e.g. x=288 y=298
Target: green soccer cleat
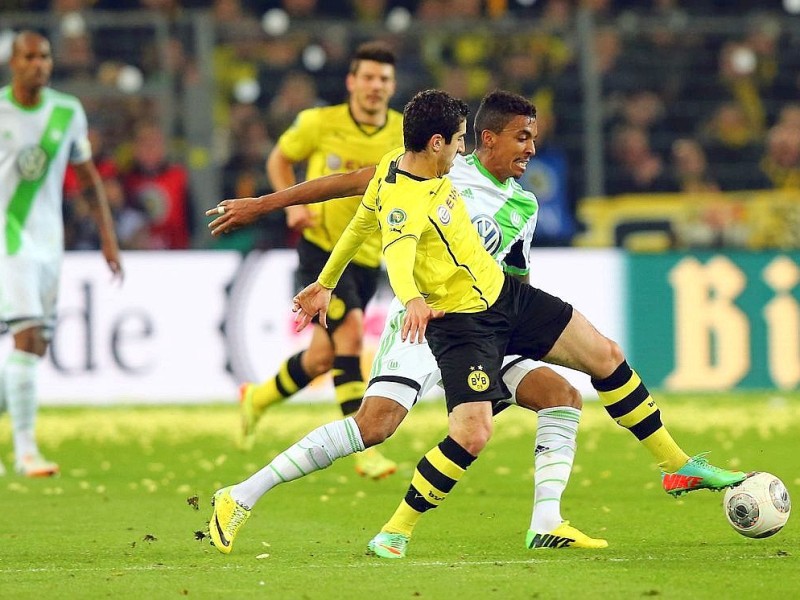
x=249 y=417
x=388 y=545
x=226 y=520
x=371 y=463
x=563 y=536
x=698 y=474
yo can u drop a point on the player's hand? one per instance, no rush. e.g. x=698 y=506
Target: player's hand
x=418 y=314
x=111 y=254
x=299 y=218
x=312 y=300
x=235 y=213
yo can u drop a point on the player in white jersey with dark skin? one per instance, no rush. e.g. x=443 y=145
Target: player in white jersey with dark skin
x=41 y=131
x=505 y=216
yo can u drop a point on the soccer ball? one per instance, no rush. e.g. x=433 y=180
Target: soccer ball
x=759 y=506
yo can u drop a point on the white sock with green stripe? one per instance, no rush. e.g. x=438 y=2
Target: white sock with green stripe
x=314 y=452
x=555 y=452
x=19 y=380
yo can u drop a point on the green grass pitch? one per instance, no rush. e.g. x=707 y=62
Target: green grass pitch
x=120 y=523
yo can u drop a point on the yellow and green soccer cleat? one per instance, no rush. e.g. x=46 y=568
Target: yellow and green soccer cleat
x=563 y=536
x=249 y=417
x=698 y=474
x=227 y=518
x=388 y=545
x=371 y=463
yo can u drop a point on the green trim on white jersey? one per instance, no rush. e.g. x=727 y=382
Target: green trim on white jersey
x=503 y=212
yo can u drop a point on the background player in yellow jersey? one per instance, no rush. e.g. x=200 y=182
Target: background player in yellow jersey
x=334 y=139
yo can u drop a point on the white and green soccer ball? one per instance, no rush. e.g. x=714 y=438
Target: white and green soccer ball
x=759 y=506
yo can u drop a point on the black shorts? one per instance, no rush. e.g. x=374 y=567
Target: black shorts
x=354 y=290
x=469 y=347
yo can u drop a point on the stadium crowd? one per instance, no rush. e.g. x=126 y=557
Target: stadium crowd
x=695 y=96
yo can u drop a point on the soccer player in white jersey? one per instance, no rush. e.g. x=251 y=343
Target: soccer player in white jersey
x=505 y=216
x=41 y=131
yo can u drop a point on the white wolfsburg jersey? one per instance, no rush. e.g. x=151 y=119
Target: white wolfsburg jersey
x=35 y=146
x=502 y=212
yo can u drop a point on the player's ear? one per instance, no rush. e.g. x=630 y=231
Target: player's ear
x=487 y=138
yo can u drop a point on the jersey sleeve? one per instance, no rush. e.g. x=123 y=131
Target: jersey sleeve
x=360 y=227
x=81 y=149
x=302 y=138
x=401 y=224
x=518 y=259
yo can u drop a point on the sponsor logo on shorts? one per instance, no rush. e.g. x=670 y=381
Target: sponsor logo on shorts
x=478 y=380
x=336 y=308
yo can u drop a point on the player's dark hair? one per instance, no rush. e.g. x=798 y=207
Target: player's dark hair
x=378 y=52
x=498 y=108
x=431 y=112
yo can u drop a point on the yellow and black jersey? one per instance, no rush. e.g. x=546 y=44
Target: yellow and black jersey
x=429 y=244
x=331 y=141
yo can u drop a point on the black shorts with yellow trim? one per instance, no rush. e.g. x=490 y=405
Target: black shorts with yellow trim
x=355 y=289
x=469 y=347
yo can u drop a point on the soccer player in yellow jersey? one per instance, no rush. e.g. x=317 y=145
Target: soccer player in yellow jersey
x=334 y=139
x=472 y=315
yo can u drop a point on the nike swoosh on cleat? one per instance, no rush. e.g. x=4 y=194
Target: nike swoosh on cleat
x=390 y=549
x=222 y=538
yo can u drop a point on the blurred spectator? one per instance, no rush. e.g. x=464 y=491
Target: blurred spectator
x=635 y=168
x=245 y=176
x=690 y=167
x=733 y=148
x=159 y=188
x=645 y=110
x=781 y=162
x=297 y=92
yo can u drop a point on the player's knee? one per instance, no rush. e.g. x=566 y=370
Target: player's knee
x=473 y=439
x=377 y=419
x=318 y=362
x=571 y=396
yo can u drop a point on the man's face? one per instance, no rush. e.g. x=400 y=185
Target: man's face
x=31 y=63
x=455 y=145
x=371 y=86
x=513 y=147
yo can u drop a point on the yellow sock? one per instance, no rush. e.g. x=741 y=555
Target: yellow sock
x=288 y=381
x=628 y=402
x=436 y=474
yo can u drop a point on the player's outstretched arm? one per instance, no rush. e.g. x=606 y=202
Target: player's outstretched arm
x=234 y=213
x=92 y=189
x=309 y=302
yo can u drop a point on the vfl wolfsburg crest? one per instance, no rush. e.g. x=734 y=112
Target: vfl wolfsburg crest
x=489 y=231
x=31 y=163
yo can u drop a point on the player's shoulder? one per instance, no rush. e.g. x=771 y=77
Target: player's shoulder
x=327 y=112
x=53 y=96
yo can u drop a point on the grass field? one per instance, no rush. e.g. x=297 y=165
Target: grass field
x=118 y=523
